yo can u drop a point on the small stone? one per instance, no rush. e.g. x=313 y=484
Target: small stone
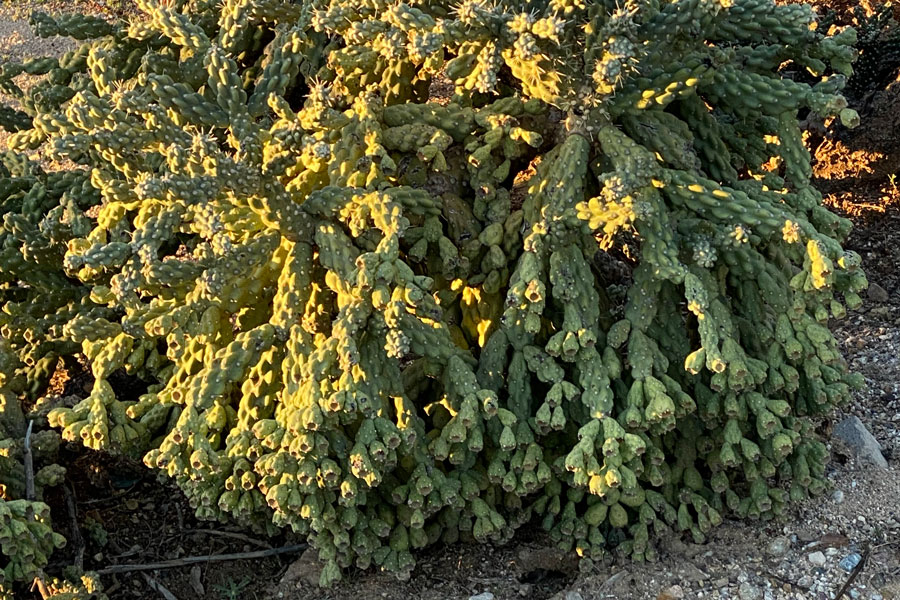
x=881 y=312
x=574 y=596
x=525 y=590
x=306 y=569
x=837 y=496
x=849 y=562
x=721 y=582
x=482 y=596
x=817 y=558
x=863 y=444
x=674 y=592
x=805 y=582
x=196 y=581
x=778 y=547
x=877 y=293
x=692 y=573
x=747 y=591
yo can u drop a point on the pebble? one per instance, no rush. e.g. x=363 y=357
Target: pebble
x=574 y=596
x=817 y=558
x=482 y=596
x=779 y=546
x=837 y=496
x=675 y=592
x=749 y=592
x=877 y=293
x=850 y=561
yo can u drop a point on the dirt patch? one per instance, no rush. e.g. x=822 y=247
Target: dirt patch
x=848 y=158
x=125 y=515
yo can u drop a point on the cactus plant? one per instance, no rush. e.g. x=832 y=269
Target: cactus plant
x=26 y=536
x=589 y=286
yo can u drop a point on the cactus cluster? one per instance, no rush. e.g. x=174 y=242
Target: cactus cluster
x=399 y=273
x=878 y=47
x=26 y=536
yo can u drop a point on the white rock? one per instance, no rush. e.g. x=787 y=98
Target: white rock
x=749 y=592
x=816 y=558
x=837 y=496
x=778 y=547
x=482 y=596
x=863 y=444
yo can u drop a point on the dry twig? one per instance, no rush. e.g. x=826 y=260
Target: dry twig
x=190 y=560
x=28 y=462
x=856 y=571
x=115 y=496
x=159 y=588
x=77 y=540
x=230 y=534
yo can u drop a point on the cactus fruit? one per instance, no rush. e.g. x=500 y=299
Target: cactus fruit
x=382 y=316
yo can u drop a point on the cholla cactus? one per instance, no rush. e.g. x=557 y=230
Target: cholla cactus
x=878 y=47
x=26 y=536
x=26 y=540
x=379 y=319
